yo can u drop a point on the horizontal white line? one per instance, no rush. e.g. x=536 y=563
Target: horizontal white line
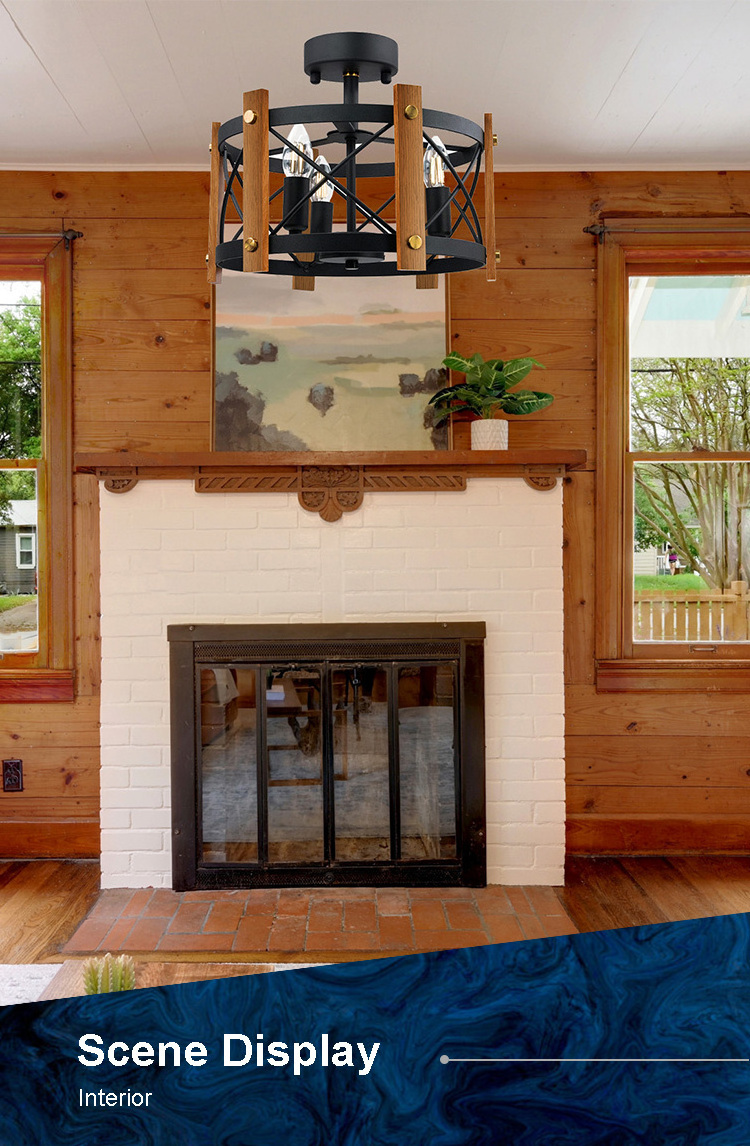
x=445 y=1059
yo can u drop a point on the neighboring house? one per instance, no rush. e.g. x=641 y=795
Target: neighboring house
x=18 y=549
x=645 y=561
x=651 y=561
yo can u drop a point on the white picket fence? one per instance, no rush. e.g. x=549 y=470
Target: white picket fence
x=692 y=616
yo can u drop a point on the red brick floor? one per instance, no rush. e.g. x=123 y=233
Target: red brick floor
x=317 y=922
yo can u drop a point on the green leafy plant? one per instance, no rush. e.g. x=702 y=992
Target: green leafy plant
x=109 y=973
x=486 y=389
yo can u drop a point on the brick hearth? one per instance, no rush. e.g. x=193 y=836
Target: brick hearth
x=354 y=920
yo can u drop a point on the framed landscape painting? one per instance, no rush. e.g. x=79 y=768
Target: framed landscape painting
x=348 y=366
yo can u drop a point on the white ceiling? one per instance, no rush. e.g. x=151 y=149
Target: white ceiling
x=572 y=84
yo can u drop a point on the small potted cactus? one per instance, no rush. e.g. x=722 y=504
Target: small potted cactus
x=108 y=973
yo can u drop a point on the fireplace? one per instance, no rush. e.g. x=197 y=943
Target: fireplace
x=492 y=554
x=325 y=755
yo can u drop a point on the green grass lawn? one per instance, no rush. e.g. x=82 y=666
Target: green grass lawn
x=12 y=601
x=681 y=583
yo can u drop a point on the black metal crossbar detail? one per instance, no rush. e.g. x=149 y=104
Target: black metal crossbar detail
x=476 y=232
x=470 y=198
x=329 y=177
x=382 y=207
x=371 y=217
x=229 y=193
x=460 y=186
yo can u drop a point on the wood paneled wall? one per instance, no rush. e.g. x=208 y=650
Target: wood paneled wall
x=141 y=381
x=646 y=773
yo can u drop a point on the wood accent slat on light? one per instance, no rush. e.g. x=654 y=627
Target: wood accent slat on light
x=216 y=192
x=304 y=282
x=255 y=180
x=411 y=209
x=489 y=200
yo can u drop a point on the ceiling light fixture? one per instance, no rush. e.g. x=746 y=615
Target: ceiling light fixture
x=412 y=213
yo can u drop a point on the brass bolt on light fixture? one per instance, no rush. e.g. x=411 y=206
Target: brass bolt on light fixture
x=401 y=214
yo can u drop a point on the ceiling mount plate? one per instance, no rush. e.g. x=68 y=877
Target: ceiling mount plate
x=364 y=54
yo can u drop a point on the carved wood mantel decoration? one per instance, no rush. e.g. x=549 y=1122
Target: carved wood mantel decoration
x=331 y=484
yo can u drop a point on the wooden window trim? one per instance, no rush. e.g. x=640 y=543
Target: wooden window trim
x=647 y=247
x=48 y=675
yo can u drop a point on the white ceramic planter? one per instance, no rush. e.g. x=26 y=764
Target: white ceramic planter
x=489 y=434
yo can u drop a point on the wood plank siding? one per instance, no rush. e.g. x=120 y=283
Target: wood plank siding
x=647 y=773
x=142 y=339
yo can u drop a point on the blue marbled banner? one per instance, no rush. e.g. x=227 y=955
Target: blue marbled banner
x=678 y=991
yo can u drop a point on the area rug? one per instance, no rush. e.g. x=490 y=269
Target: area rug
x=24 y=982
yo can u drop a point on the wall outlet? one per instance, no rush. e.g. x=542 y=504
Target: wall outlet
x=13 y=775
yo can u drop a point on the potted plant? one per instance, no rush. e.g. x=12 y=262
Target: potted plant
x=486 y=392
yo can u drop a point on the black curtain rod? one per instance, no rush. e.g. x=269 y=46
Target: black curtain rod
x=67 y=236
x=599 y=230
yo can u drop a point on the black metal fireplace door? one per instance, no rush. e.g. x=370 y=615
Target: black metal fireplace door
x=327 y=755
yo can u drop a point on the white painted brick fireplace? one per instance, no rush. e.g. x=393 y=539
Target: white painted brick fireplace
x=491 y=553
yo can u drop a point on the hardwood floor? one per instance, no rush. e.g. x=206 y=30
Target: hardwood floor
x=42 y=903
x=622 y=892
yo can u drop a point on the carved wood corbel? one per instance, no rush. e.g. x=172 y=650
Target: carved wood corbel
x=542 y=478
x=120 y=481
x=330 y=490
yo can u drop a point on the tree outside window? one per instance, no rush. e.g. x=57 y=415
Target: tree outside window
x=691 y=401
x=20 y=440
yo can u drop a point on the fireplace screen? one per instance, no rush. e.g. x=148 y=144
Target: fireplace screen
x=326 y=755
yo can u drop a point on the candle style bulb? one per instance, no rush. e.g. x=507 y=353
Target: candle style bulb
x=321 y=208
x=296 y=170
x=437 y=195
x=323 y=192
x=291 y=162
x=434 y=163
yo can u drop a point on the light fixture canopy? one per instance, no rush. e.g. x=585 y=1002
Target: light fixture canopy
x=402 y=214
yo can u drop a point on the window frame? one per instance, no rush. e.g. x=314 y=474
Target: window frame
x=47 y=674
x=648 y=247
x=20 y=551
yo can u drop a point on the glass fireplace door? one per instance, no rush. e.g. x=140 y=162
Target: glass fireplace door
x=321 y=763
x=362 y=776
x=262 y=764
x=295 y=763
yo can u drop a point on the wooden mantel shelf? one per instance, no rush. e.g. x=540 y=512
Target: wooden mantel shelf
x=331 y=483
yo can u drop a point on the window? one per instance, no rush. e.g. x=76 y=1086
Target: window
x=673 y=485
x=35 y=469
x=25 y=551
